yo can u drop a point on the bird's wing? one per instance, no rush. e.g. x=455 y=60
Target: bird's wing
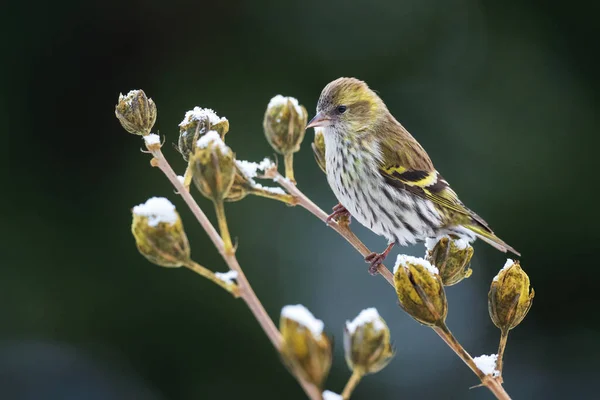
x=407 y=167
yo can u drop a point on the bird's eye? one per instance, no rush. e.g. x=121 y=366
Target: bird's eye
x=342 y=109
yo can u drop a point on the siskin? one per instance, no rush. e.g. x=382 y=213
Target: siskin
x=383 y=177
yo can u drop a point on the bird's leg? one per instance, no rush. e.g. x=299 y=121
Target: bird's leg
x=339 y=213
x=376 y=259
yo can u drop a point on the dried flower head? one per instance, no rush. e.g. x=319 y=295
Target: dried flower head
x=367 y=343
x=510 y=297
x=451 y=256
x=420 y=290
x=136 y=112
x=318 y=147
x=212 y=166
x=159 y=233
x=197 y=123
x=305 y=349
x=284 y=124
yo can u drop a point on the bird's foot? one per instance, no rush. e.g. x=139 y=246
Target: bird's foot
x=376 y=259
x=339 y=214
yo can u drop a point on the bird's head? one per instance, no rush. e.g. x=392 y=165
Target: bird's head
x=347 y=106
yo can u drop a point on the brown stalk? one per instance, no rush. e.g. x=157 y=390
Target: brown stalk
x=501 y=348
x=245 y=290
x=344 y=230
x=351 y=384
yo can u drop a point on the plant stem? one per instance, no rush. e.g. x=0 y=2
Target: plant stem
x=487 y=380
x=223 y=228
x=208 y=274
x=284 y=198
x=288 y=160
x=501 y=348
x=344 y=230
x=351 y=385
x=246 y=292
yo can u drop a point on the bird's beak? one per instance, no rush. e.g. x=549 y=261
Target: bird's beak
x=317 y=121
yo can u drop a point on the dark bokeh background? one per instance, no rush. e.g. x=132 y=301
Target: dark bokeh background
x=503 y=95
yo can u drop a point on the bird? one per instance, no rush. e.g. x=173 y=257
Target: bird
x=383 y=178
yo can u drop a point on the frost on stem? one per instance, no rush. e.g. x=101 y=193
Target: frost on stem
x=420 y=290
x=487 y=364
x=305 y=349
x=251 y=169
x=329 y=395
x=152 y=141
x=227 y=277
x=367 y=343
x=159 y=234
x=244 y=182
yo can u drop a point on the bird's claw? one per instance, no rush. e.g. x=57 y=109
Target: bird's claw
x=375 y=260
x=339 y=214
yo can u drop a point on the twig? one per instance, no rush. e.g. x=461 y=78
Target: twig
x=288 y=161
x=246 y=291
x=501 y=348
x=351 y=385
x=344 y=230
x=208 y=274
x=284 y=198
x=487 y=380
x=223 y=227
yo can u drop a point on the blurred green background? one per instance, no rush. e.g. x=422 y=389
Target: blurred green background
x=503 y=95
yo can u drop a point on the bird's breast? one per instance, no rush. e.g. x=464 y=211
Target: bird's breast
x=353 y=174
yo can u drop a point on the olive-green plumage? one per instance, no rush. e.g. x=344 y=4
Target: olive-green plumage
x=382 y=175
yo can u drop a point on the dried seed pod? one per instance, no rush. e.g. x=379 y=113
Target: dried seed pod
x=197 y=123
x=159 y=233
x=367 y=344
x=420 y=290
x=451 y=256
x=212 y=166
x=284 y=124
x=510 y=297
x=305 y=349
x=136 y=112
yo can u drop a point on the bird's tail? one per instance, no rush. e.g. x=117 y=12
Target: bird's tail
x=488 y=236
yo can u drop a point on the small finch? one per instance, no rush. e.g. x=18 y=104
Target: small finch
x=383 y=177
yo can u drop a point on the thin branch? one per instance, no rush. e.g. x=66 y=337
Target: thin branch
x=208 y=274
x=288 y=160
x=487 y=380
x=284 y=198
x=344 y=230
x=501 y=348
x=351 y=384
x=246 y=291
x=223 y=227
